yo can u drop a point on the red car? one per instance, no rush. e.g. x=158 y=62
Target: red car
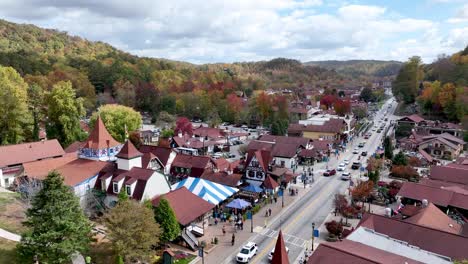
x=329 y=172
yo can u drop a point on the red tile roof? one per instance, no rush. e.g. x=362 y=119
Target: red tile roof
x=39 y=169
x=163 y=153
x=280 y=256
x=334 y=125
x=269 y=183
x=433 y=217
x=214 y=133
x=426 y=238
x=221 y=164
x=146 y=159
x=263 y=157
x=80 y=170
x=299 y=141
x=74 y=147
x=449 y=174
x=100 y=137
x=186 y=205
x=350 y=252
x=439 y=196
x=27 y=152
x=128 y=151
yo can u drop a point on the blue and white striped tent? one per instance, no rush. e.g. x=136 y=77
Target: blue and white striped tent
x=207 y=190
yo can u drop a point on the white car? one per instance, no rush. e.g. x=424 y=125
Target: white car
x=341 y=167
x=247 y=252
x=270 y=255
x=346 y=161
x=355 y=151
x=346 y=175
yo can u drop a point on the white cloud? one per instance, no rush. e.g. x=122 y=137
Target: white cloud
x=461 y=16
x=214 y=30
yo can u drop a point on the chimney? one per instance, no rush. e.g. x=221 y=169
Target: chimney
x=179 y=134
x=424 y=203
x=388 y=212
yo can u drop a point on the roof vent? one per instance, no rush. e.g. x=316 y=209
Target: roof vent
x=424 y=202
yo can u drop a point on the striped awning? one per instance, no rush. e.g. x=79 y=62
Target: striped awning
x=207 y=190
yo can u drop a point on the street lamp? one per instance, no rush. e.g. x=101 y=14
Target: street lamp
x=251 y=220
x=313 y=231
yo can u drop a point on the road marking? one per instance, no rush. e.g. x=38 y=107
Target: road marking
x=267 y=248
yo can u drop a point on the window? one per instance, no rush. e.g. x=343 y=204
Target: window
x=115 y=187
x=129 y=189
x=103 y=185
x=283 y=163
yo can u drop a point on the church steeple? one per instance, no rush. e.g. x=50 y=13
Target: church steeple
x=280 y=256
x=100 y=145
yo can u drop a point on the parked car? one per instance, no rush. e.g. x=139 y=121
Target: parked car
x=341 y=167
x=366 y=136
x=247 y=252
x=356 y=165
x=346 y=175
x=270 y=255
x=346 y=161
x=231 y=156
x=329 y=173
x=355 y=151
x=364 y=153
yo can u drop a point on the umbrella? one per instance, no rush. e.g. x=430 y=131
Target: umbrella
x=238 y=204
x=252 y=188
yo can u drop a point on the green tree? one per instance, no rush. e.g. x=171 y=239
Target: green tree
x=406 y=85
x=132 y=230
x=388 y=148
x=367 y=95
x=165 y=216
x=36 y=105
x=116 y=118
x=16 y=119
x=123 y=196
x=400 y=159
x=64 y=111
x=57 y=226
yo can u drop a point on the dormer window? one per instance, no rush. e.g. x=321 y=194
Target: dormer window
x=115 y=187
x=128 y=188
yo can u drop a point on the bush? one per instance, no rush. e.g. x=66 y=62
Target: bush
x=395 y=185
x=405 y=172
x=350 y=212
x=334 y=228
x=256 y=208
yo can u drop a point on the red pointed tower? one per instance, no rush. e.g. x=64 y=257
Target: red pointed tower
x=100 y=145
x=280 y=256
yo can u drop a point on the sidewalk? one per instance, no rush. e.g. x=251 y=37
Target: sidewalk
x=10 y=236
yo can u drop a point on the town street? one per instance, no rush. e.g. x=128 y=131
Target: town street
x=296 y=220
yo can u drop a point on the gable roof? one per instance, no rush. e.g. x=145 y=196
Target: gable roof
x=129 y=151
x=415 y=118
x=269 y=183
x=285 y=150
x=438 y=196
x=189 y=161
x=280 y=256
x=433 y=217
x=163 y=153
x=146 y=159
x=334 y=125
x=207 y=190
x=449 y=174
x=186 y=205
x=27 y=152
x=350 y=252
x=40 y=168
x=100 y=138
x=260 y=145
x=262 y=156
x=210 y=132
x=221 y=164
x=79 y=170
x=426 y=238
x=74 y=147
x=299 y=141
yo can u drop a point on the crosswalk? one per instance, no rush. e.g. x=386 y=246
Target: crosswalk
x=288 y=239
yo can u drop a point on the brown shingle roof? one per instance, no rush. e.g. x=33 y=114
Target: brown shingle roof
x=39 y=169
x=449 y=174
x=210 y=132
x=74 y=147
x=426 y=238
x=189 y=161
x=284 y=150
x=415 y=118
x=222 y=178
x=431 y=216
x=186 y=205
x=262 y=156
x=260 y=145
x=333 y=125
x=420 y=192
x=351 y=252
x=269 y=183
x=299 y=141
x=280 y=255
x=80 y=170
x=27 y=152
x=129 y=151
x=221 y=164
x=100 y=137
x=163 y=153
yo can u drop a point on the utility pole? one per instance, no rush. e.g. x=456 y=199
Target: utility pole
x=251 y=220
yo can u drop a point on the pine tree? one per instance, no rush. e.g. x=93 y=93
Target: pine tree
x=57 y=226
x=165 y=216
x=400 y=159
x=388 y=147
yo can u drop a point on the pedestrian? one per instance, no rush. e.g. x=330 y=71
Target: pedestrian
x=224 y=230
x=269 y=211
x=297 y=191
x=242 y=225
x=275 y=199
x=233 y=240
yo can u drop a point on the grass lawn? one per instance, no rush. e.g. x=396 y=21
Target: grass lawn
x=185 y=260
x=7 y=251
x=11 y=212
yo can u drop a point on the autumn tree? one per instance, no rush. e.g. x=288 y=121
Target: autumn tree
x=132 y=230
x=64 y=111
x=362 y=191
x=263 y=107
x=118 y=119
x=404 y=172
x=342 y=107
x=16 y=119
x=57 y=226
x=184 y=126
x=328 y=101
x=165 y=216
x=124 y=92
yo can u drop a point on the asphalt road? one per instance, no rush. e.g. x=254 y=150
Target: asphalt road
x=296 y=221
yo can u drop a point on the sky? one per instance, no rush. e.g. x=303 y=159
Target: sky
x=209 y=31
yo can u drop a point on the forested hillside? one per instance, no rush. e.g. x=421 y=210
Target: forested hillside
x=439 y=88
x=56 y=69
x=361 y=68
